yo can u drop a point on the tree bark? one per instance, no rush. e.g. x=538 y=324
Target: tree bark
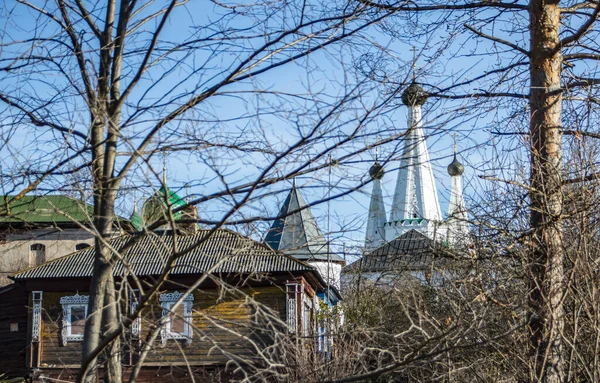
x=546 y=319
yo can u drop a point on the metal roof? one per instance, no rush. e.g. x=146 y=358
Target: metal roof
x=297 y=233
x=149 y=254
x=45 y=209
x=412 y=250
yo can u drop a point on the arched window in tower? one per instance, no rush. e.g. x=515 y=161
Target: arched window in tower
x=37 y=254
x=81 y=246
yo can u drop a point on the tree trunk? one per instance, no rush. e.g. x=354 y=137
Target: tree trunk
x=546 y=319
x=102 y=305
x=111 y=318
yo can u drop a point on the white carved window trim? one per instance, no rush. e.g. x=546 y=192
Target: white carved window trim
x=293 y=292
x=167 y=301
x=36 y=315
x=136 y=325
x=68 y=303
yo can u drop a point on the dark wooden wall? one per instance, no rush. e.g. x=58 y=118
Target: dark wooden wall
x=13 y=344
x=227 y=325
x=53 y=354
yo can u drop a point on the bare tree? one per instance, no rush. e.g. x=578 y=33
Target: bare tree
x=542 y=48
x=103 y=87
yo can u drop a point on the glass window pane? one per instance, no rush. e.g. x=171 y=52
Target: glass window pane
x=77 y=320
x=177 y=322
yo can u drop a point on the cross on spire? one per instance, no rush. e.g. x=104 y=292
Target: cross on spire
x=414 y=63
x=454 y=136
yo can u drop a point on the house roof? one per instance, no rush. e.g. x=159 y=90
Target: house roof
x=296 y=232
x=410 y=251
x=47 y=209
x=222 y=252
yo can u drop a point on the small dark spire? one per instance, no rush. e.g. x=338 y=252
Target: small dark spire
x=455 y=168
x=414 y=94
x=376 y=172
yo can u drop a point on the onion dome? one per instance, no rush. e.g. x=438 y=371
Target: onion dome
x=456 y=168
x=414 y=95
x=376 y=172
x=157 y=206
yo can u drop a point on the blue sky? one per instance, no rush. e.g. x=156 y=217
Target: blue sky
x=443 y=57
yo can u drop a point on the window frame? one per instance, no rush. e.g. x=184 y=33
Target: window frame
x=167 y=301
x=68 y=303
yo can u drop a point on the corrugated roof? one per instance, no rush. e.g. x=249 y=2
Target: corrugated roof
x=412 y=250
x=33 y=209
x=36 y=210
x=297 y=233
x=222 y=252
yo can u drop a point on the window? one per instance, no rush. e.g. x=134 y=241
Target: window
x=37 y=254
x=177 y=319
x=74 y=314
x=307 y=316
x=81 y=246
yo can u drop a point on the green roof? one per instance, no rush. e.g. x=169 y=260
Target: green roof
x=47 y=209
x=137 y=221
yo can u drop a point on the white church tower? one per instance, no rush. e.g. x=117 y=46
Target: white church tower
x=415 y=205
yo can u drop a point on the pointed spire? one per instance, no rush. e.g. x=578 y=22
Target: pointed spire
x=136 y=218
x=164 y=180
x=375 y=234
x=296 y=232
x=457 y=226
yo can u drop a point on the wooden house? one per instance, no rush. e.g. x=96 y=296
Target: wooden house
x=227 y=303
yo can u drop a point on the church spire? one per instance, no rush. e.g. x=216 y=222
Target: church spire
x=164 y=171
x=457 y=225
x=295 y=230
x=375 y=235
x=415 y=197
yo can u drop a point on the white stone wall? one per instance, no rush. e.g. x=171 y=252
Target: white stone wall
x=15 y=247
